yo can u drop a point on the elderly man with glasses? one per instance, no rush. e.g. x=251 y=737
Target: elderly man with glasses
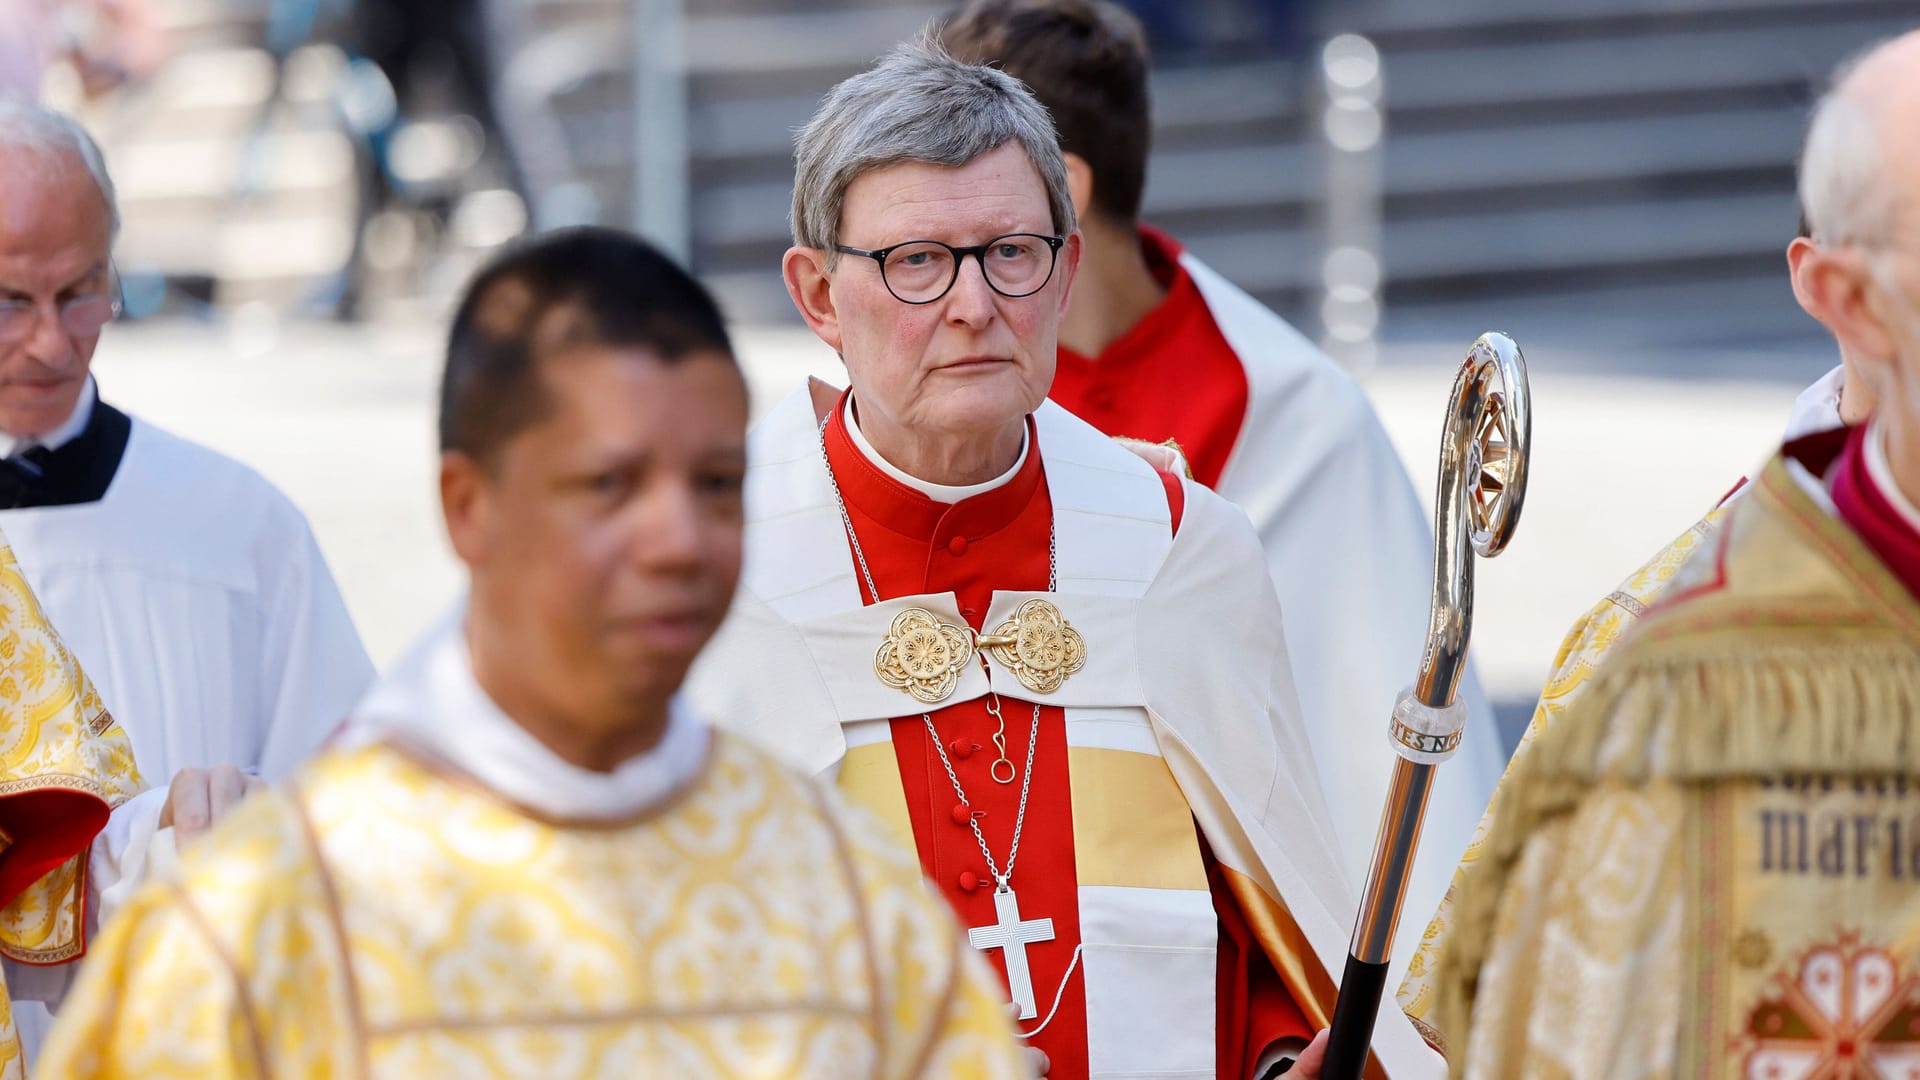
x=1053 y=669
x=189 y=588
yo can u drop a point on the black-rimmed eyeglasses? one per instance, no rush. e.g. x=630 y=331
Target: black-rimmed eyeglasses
x=81 y=316
x=922 y=271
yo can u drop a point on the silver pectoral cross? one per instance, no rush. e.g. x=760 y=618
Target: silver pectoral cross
x=1012 y=936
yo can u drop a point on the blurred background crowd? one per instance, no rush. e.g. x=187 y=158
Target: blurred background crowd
x=306 y=183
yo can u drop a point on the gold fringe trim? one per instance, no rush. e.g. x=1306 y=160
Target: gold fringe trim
x=1745 y=709
x=1691 y=709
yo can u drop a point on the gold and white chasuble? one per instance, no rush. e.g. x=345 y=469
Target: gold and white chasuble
x=387 y=914
x=1185 y=701
x=64 y=765
x=1709 y=866
x=1592 y=639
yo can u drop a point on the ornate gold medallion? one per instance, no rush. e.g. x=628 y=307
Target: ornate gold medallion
x=923 y=655
x=1038 y=645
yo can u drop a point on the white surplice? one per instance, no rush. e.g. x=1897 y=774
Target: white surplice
x=196 y=599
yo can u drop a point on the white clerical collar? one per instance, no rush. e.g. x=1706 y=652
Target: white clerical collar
x=941 y=493
x=69 y=429
x=431 y=701
x=1818 y=406
x=1881 y=470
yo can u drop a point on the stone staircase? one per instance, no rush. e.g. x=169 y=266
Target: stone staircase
x=1612 y=172
x=1617 y=172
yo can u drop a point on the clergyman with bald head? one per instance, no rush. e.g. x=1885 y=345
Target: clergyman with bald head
x=1706 y=867
x=1053 y=667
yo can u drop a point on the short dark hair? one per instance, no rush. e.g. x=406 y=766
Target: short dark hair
x=552 y=292
x=1087 y=62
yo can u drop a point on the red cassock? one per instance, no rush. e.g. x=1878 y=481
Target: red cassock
x=1132 y=390
x=999 y=540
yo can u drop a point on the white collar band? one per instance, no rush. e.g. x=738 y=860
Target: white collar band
x=69 y=429
x=432 y=701
x=941 y=493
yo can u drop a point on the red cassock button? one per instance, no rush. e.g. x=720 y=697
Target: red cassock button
x=969 y=881
x=957 y=546
x=961 y=814
x=962 y=749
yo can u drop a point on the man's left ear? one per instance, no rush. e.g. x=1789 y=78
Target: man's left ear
x=1838 y=287
x=1797 y=254
x=804 y=270
x=464 y=505
x=1069 y=268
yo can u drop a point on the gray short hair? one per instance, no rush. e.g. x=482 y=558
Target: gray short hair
x=27 y=126
x=1844 y=189
x=917 y=104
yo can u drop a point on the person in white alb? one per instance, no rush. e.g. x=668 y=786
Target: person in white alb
x=189 y=587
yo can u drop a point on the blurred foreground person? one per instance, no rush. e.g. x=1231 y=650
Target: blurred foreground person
x=1056 y=671
x=1707 y=866
x=1156 y=346
x=527 y=857
x=1841 y=397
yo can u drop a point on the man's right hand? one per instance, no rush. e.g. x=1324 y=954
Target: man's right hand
x=1311 y=1060
x=199 y=797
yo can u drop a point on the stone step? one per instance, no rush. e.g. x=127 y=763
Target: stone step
x=1753 y=309
x=1187 y=106
x=1469 y=85
x=1395 y=21
x=285 y=162
x=816 y=41
x=1428 y=172
x=196 y=24
x=244 y=244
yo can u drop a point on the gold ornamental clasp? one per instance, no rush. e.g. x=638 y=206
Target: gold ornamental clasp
x=1038 y=645
x=923 y=655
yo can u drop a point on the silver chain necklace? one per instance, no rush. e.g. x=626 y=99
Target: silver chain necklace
x=1000 y=877
x=1009 y=932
